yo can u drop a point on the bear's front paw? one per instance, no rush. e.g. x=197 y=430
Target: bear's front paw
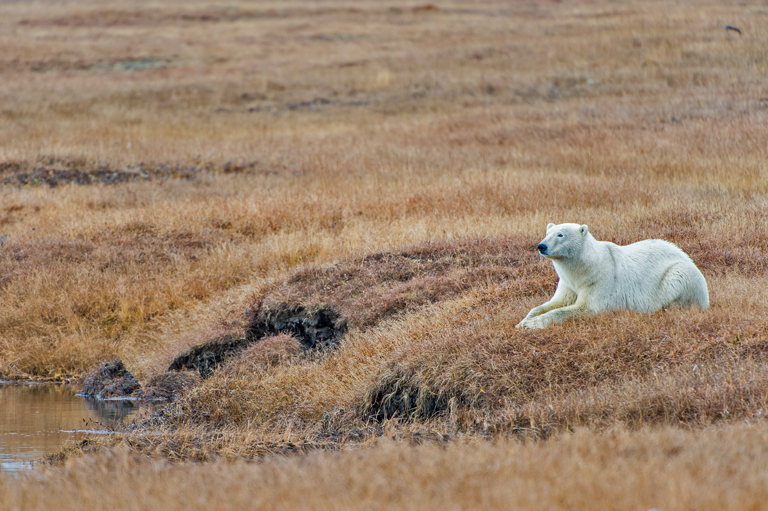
x=532 y=323
x=524 y=322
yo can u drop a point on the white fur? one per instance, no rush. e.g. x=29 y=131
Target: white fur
x=598 y=276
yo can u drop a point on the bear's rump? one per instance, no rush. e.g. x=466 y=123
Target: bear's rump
x=640 y=273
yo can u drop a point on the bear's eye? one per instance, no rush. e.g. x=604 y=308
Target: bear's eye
x=559 y=235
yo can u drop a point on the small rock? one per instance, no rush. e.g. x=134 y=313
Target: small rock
x=111 y=379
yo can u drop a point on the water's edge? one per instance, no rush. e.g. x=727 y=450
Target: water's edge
x=38 y=418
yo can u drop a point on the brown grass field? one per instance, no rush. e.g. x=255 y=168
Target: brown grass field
x=170 y=170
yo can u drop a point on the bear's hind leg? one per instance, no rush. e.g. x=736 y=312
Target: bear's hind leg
x=683 y=285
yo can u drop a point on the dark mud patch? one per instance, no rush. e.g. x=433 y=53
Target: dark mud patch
x=318 y=104
x=206 y=357
x=54 y=172
x=399 y=397
x=317 y=329
x=112 y=380
x=109 y=380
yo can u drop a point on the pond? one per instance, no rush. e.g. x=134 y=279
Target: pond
x=37 y=419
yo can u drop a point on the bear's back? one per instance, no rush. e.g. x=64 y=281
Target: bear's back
x=655 y=250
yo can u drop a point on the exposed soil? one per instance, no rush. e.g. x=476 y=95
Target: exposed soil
x=111 y=379
x=317 y=328
x=206 y=357
x=56 y=171
x=396 y=396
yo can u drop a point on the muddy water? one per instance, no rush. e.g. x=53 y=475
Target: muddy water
x=37 y=419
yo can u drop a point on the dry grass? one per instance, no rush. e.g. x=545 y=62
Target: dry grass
x=166 y=166
x=670 y=469
x=463 y=361
x=269 y=352
x=519 y=117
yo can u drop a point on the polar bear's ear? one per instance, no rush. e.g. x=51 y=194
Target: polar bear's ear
x=584 y=230
x=549 y=226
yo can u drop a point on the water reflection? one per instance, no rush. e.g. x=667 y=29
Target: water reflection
x=114 y=410
x=36 y=419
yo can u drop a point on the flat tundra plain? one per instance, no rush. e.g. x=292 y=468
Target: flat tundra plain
x=168 y=169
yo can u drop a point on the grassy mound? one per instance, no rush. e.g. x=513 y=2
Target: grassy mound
x=448 y=360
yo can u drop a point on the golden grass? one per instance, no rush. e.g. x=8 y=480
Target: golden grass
x=670 y=469
x=244 y=151
x=462 y=361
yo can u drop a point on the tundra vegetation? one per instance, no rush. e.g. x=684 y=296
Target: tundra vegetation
x=173 y=173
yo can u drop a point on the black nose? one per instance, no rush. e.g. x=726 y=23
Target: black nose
x=542 y=248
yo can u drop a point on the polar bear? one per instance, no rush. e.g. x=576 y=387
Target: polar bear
x=597 y=276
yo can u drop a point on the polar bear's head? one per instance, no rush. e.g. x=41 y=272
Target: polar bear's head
x=563 y=241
